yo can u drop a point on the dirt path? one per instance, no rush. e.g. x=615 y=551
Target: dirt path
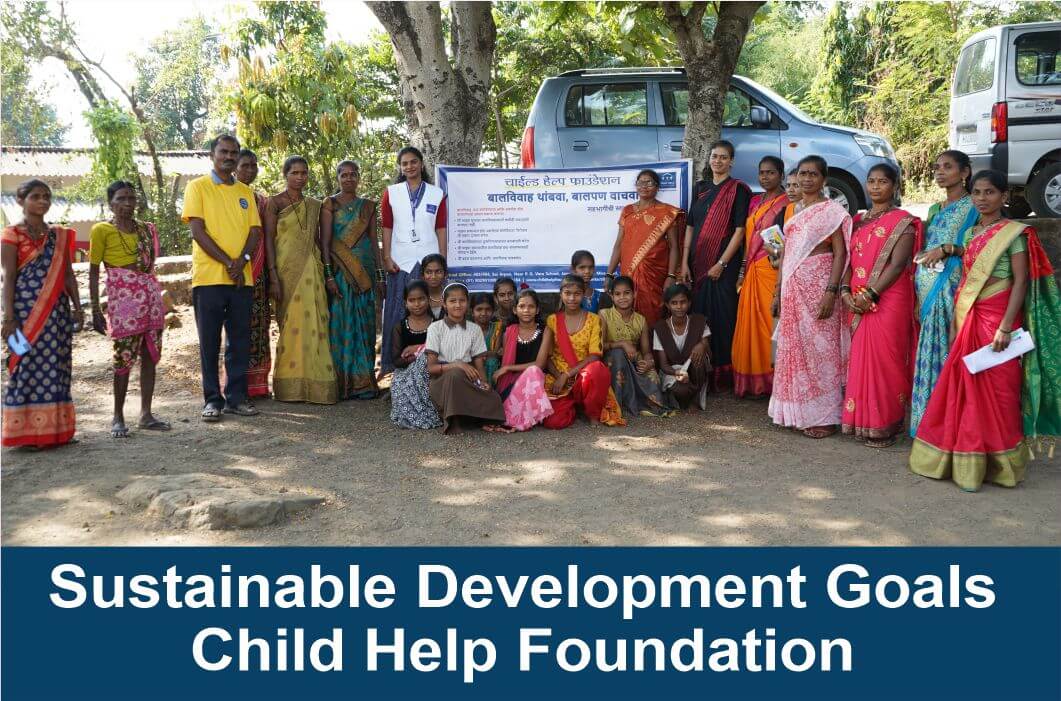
x=725 y=478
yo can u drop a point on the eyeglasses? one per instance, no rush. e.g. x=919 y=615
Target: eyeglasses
x=645 y=183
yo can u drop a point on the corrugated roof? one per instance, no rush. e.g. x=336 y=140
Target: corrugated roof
x=56 y=162
x=62 y=210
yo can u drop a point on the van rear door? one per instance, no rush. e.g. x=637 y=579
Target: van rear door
x=1033 y=94
x=751 y=142
x=973 y=95
x=606 y=123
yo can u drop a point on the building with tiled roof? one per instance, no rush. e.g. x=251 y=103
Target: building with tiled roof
x=64 y=167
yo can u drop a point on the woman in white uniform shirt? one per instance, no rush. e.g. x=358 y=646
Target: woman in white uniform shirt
x=413 y=219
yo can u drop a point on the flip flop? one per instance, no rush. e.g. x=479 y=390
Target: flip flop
x=818 y=433
x=211 y=414
x=155 y=425
x=122 y=432
x=881 y=443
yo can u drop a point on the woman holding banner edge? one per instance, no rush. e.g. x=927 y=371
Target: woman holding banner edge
x=646 y=247
x=413 y=219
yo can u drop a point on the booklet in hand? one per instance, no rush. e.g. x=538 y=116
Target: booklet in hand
x=773 y=236
x=1020 y=342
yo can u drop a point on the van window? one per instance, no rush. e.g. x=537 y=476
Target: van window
x=976 y=68
x=737 y=112
x=614 y=104
x=1037 y=58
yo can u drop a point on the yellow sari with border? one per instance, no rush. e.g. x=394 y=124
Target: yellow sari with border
x=304 y=370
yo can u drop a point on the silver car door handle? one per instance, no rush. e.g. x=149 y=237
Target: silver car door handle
x=676 y=145
x=579 y=145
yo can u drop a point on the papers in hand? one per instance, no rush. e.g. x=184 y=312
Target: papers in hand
x=1020 y=342
x=772 y=236
x=936 y=267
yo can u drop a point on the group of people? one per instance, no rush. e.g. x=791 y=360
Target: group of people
x=844 y=324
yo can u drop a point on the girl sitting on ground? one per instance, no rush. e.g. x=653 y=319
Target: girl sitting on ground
x=483 y=316
x=456 y=354
x=577 y=378
x=411 y=405
x=628 y=354
x=682 y=353
x=520 y=379
x=504 y=299
x=585 y=266
x=433 y=271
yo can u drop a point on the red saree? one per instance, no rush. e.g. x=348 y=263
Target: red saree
x=753 y=366
x=644 y=253
x=972 y=428
x=592 y=387
x=880 y=367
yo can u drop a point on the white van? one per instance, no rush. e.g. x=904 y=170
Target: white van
x=1005 y=111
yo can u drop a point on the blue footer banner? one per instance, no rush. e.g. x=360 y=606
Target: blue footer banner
x=749 y=623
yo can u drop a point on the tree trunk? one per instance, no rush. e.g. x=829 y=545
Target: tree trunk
x=709 y=64
x=446 y=103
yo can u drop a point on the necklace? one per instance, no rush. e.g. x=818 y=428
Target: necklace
x=802 y=205
x=876 y=214
x=292 y=202
x=34 y=232
x=121 y=239
x=524 y=341
x=685 y=326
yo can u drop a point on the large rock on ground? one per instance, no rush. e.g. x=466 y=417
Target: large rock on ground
x=211 y=502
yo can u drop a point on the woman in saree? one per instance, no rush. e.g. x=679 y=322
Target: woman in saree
x=753 y=365
x=939 y=269
x=628 y=354
x=38 y=287
x=977 y=427
x=135 y=313
x=348 y=233
x=811 y=362
x=878 y=293
x=646 y=248
x=711 y=259
x=260 y=361
x=304 y=369
x=576 y=377
x=521 y=378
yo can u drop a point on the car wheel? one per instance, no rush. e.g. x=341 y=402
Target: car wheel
x=1044 y=191
x=840 y=192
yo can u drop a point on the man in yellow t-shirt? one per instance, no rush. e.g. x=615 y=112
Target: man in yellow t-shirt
x=221 y=212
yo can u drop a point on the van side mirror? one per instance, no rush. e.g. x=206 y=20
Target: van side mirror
x=760 y=117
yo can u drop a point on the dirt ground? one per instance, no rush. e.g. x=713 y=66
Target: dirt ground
x=725 y=477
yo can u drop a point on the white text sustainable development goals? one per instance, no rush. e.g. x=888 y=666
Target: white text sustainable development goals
x=848 y=586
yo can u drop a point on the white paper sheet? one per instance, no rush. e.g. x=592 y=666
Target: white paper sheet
x=1020 y=342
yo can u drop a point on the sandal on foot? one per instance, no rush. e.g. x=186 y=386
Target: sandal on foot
x=119 y=430
x=154 y=424
x=242 y=409
x=880 y=443
x=818 y=432
x=211 y=414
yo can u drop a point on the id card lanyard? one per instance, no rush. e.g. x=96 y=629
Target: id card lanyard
x=415 y=199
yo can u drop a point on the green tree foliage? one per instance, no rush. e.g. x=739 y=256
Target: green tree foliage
x=768 y=56
x=298 y=93
x=538 y=40
x=177 y=81
x=26 y=117
x=888 y=67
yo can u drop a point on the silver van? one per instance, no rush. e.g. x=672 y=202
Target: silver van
x=610 y=116
x=1005 y=111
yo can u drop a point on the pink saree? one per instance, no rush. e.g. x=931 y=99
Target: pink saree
x=811 y=362
x=526 y=403
x=134 y=298
x=880 y=372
